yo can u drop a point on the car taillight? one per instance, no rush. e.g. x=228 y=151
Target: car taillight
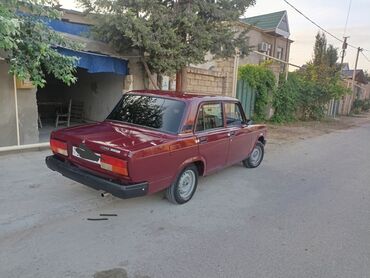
x=113 y=164
x=58 y=147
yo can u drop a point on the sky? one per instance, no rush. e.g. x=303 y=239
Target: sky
x=330 y=14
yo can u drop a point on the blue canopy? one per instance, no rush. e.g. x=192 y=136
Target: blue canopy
x=97 y=63
x=72 y=28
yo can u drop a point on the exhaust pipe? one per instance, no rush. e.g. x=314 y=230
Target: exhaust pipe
x=104 y=194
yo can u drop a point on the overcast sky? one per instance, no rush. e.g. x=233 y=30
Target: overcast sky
x=330 y=14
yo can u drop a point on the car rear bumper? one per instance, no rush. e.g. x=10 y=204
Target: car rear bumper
x=98 y=183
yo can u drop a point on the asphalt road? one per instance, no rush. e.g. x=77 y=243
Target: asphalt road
x=305 y=212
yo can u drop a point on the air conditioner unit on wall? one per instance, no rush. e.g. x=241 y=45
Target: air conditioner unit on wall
x=263 y=47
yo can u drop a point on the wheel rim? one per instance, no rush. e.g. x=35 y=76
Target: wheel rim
x=186 y=184
x=256 y=155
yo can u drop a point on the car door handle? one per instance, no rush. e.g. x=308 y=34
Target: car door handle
x=231 y=134
x=203 y=140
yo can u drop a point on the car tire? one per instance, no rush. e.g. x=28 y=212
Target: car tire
x=183 y=189
x=256 y=156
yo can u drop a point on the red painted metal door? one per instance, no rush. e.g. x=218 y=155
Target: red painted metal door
x=213 y=146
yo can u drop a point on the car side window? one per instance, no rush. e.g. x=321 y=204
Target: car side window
x=209 y=117
x=233 y=114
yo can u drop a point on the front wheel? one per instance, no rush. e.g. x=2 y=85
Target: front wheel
x=256 y=157
x=183 y=189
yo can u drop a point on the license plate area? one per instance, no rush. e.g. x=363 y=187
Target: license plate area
x=86 y=155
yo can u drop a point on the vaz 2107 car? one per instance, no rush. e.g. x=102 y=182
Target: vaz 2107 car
x=155 y=140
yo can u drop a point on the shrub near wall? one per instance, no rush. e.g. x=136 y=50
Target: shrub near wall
x=303 y=98
x=285 y=99
x=262 y=79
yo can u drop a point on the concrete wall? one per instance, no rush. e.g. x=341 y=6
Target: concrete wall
x=136 y=69
x=27 y=111
x=8 y=134
x=99 y=92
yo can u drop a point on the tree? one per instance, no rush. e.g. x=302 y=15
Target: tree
x=28 y=43
x=367 y=75
x=307 y=92
x=319 y=51
x=331 y=56
x=322 y=79
x=170 y=34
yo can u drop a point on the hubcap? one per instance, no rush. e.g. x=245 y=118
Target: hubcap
x=256 y=156
x=186 y=184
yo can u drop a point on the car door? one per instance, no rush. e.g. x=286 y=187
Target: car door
x=239 y=134
x=212 y=136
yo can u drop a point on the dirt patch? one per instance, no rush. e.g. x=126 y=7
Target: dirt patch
x=280 y=134
x=111 y=273
x=116 y=273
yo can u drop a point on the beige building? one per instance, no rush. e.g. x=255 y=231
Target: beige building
x=361 y=90
x=28 y=114
x=268 y=36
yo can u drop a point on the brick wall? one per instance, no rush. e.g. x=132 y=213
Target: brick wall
x=218 y=81
x=227 y=66
x=206 y=81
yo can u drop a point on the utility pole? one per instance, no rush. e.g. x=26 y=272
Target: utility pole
x=354 y=71
x=344 y=47
x=333 y=111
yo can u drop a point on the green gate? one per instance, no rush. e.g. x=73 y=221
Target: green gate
x=247 y=97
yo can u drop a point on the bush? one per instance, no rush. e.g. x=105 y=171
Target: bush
x=285 y=100
x=303 y=96
x=366 y=106
x=361 y=106
x=262 y=79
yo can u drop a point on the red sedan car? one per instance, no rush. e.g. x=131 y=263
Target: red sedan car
x=155 y=140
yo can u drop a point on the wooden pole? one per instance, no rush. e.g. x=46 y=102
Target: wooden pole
x=178 y=81
x=354 y=71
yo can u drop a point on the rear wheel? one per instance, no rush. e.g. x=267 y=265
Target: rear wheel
x=256 y=157
x=183 y=189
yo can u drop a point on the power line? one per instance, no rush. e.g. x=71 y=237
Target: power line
x=365 y=56
x=313 y=22
x=321 y=28
x=348 y=12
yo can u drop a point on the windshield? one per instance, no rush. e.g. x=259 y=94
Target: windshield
x=149 y=111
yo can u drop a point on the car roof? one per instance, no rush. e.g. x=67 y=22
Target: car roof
x=184 y=96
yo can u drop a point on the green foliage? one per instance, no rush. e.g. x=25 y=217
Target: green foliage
x=361 y=106
x=319 y=50
x=367 y=75
x=262 y=79
x=170 y=34
x=285 y=99
x=28 y=43
x=306 y=92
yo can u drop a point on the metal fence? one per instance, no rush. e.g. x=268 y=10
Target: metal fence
x=247 y=97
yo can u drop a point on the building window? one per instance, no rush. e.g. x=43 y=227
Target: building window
x=279 y=53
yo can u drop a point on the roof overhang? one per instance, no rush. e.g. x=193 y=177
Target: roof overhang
x=278 y=33
x=96 y=62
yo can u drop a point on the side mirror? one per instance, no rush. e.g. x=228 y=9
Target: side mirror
x=249 y=122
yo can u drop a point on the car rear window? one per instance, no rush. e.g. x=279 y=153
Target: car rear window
x=149 y=111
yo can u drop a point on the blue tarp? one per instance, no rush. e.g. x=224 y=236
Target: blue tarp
x=97 y=63
x=68 y=27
